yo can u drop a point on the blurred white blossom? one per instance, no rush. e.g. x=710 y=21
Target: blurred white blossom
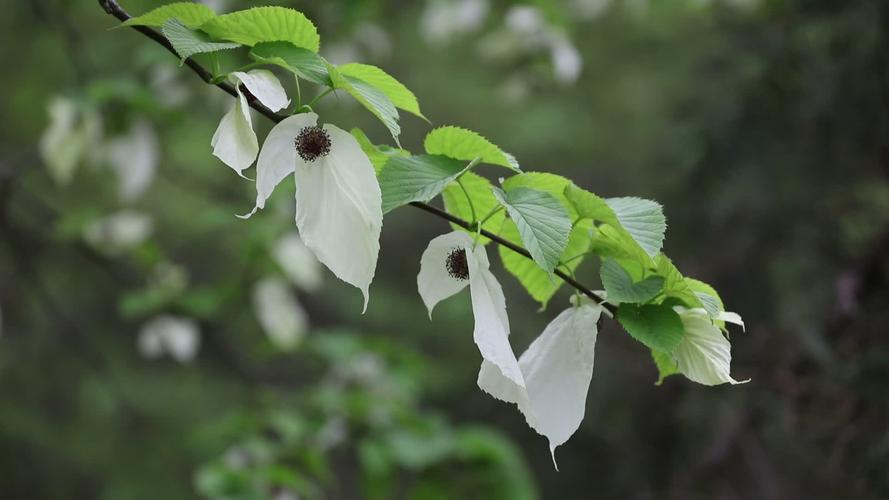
x=166 y=83
x=374 y=40
x=442 y=20
x=118 y=232
x=72 y=135
x=298 y=262
x=589 y=9
x=566 y=59
x=175 y=336
x=279 y=313
x=133 y=156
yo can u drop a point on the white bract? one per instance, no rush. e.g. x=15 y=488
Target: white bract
x=279 y=313
x=172 y=335
x=72 y=133
x=451 y=262
x=338 y=200
x=704 y=354
x=133 y=157
x=119 y=232
x=298 y=262
x=557 y=369
x=235 y=142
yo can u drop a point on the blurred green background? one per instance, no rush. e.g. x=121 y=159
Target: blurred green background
x=154 y=346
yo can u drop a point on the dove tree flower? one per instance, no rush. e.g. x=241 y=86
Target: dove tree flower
x=557 y=368
x=175 y=336
x=235 y=141
x=452 y=261
x=338 y=200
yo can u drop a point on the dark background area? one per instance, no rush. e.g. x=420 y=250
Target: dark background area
x=761 y=126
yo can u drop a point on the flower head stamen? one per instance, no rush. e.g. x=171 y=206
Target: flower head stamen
x=312 y=143
x=456 y=264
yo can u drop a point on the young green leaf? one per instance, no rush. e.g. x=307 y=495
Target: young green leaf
x=666 y=365
x=675 y=285
x=478 y=189
x=621 y=288
x=375 y=101
x=542 y=222
x=590 y=206
x=265 y=24
x=542 y=181
x=643 y=219
x=655 y=325
x=536 y=281
x=416 y=178
x=190 y=14
x=467 y=145
x=378 y=154
x=302 y=62
x=188 y=42
x=400 y=95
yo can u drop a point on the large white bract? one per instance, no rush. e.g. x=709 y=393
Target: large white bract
x=704 y=354
x=234 y=141
x=338 y=200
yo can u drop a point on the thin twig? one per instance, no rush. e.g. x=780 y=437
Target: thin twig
x=114 y=9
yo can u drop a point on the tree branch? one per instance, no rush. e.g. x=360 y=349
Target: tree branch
x=114 y=9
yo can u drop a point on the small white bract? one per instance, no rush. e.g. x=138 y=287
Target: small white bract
x=338 y=200
x=279 y=313
x=234 y=141
x=172 y=335
x=704 y=354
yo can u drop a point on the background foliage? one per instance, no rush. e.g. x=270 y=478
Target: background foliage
x=763 y=128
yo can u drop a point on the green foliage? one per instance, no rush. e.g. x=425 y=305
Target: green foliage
x=378 y=154
x=188 y=42
x=400 y=95
x=264 y=24
x=665 y=364
x=542 y=222
x=370 y=97
x=655 y=325
x=466 y=145
x=302 y=62
x=644 y=221
x=416 y=178
x=538 y=283
x=478 y=190
x=621 y=288
x=190 y=14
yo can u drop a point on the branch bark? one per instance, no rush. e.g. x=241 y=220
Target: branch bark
x=114 y=9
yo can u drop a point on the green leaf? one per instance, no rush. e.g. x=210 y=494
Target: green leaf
x=189 y=14
x=416 y=178
x=655 y=325
x=479 y=190
x=621 y=288
x=265 y=24
x=643 y=219
x=375 y=101
x=675 y=285
x=590 y=206
x=542 y=222
x=302 y=62
x=466 y=145
x=539 y=284
x=188 y=42
x=378 y=154
x=666 y=365
x=400 y=95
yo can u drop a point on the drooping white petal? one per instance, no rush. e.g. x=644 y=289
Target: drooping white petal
x=298 y=262
x=491 y=333
x=730 y=317
x=72 y=134
x=280 y=315
x=339 y=210
x=119 y=232
x=179 y=337
x=264 y=85
x=133 y=157
x=704 y=354
x=278 y=157
x=557 y=368
x=234 y=141
x=434 y=282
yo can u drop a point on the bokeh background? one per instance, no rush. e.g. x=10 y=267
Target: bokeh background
x=154 y=346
